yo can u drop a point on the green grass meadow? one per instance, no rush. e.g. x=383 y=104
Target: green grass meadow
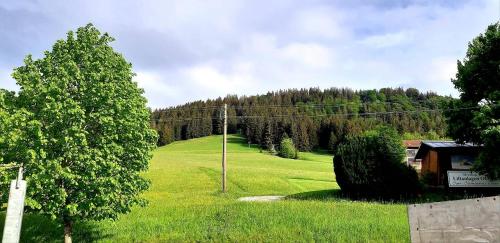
x=186 y=205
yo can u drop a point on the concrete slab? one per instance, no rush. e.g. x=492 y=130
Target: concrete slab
x=470 y=220
x=261 y=198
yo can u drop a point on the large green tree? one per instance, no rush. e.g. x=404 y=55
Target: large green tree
x=475 y=117
x=18 y=134
x=95 y=137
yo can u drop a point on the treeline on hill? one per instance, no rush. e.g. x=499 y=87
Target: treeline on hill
x=313 y=118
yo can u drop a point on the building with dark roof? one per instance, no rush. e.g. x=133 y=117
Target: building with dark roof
x=440 y=157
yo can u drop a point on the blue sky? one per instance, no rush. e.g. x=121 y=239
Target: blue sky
x=190 y=50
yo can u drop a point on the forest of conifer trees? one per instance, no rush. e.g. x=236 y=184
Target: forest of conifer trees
x=313 y=118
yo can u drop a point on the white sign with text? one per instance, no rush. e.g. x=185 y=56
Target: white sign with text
x=470 y=179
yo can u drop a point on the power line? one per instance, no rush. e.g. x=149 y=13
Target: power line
x=319 y=115
x=365 y=113
x=189 y=108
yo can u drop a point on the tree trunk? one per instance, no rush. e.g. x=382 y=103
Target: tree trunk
x=68 y=229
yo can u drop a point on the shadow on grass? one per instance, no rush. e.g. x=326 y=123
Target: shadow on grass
x=38 y=228
x=241 y=141
x=311 y=179
x=237 y=139
x=322 y=195
x=430 y=195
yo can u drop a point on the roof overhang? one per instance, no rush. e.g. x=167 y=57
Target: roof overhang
x=448 y=146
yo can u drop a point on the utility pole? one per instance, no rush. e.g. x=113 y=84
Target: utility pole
x=224 y=150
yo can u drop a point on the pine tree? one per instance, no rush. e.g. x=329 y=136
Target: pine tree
x=268 y=138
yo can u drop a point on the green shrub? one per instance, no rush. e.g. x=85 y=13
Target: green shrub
x=287 y=149
x=429 y=178
x=372 y=164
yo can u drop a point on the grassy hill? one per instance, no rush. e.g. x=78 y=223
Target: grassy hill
x=186 y=203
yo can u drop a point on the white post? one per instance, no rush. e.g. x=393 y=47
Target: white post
x=15 y=208
x=224 y=150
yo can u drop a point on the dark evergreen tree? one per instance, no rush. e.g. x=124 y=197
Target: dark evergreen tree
x=268 y=138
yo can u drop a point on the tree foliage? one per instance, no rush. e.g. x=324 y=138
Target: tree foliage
x=372 y=164
x=93 y=136
x=287 y=149
x=19 y=134
x=268 y=138
x=476 y=117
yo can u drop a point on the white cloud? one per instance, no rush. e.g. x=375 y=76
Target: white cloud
x=156 y=89
x=308 y=54
x=259 y=42
x=320 y=22
x=387 y=40
x=442 y=69
x=190 y=50
x=438 y=75
x=207 y=79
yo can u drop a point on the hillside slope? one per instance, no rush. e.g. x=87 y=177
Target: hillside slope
x=186 y=203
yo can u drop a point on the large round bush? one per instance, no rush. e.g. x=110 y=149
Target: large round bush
x=372 y=164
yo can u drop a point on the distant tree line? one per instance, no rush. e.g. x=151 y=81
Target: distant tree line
x=312 y=118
